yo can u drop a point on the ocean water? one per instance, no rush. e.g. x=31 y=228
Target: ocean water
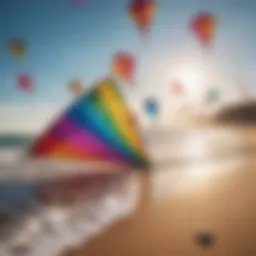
x=45 y=218
x=12 y=146
x=16 y=140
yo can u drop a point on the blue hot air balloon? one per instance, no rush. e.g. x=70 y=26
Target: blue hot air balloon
x=151 y=107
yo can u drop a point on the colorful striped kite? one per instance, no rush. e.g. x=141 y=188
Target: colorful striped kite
x=96 y=128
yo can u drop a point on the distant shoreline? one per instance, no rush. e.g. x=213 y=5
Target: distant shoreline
x=12 y=140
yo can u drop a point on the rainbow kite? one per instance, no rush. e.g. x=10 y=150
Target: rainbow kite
x=98 y=127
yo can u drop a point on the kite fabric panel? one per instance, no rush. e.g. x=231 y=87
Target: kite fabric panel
x=98 y=127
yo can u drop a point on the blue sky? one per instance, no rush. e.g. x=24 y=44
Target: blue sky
x=66 y=41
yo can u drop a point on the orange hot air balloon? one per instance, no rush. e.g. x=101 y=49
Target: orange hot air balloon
x=203 y=26
x=123 y=67
x=76 y=87
x=142 y=12
x=17 y=48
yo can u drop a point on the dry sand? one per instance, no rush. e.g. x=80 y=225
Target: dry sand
x=212 y=192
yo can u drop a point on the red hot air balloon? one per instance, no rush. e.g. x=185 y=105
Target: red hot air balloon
x=123 y=67
x=142 y=13
x=25 y=82
x=203 y=26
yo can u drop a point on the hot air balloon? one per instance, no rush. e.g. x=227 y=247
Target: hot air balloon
x=25 y=82
x=177 y=88
x=142 y=13
x=203 y=26
x=17 y=48
x=151 y=107
x=123 y=67
x=76 y=87
x=212 y=96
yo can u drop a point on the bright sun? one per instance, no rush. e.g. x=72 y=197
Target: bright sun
x=191 y=74
x=191 y=77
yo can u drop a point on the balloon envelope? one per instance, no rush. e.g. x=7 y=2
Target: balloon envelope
x=151 y=107
x=177 y=88
x=76 y=87
x=212 y=96
x=123 y=67
x=203 y=26
x=142 y=13
x=25 y=82
x=17 y=48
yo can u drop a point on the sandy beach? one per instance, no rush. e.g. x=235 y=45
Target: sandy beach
x=208 y=189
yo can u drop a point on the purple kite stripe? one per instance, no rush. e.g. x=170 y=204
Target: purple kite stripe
x=87 y=142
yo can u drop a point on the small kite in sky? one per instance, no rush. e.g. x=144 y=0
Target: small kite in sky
x=142 y=13
x=25 y=82
x=203 y=26
x=123 y=67
x=97 y=128
x=17 y=48
x=76 y=87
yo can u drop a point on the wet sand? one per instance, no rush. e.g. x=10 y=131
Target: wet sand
x=208 y=187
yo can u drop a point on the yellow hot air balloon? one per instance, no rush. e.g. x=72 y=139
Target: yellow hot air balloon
x=17 y=48
x=76 y=87
x=142 y=13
